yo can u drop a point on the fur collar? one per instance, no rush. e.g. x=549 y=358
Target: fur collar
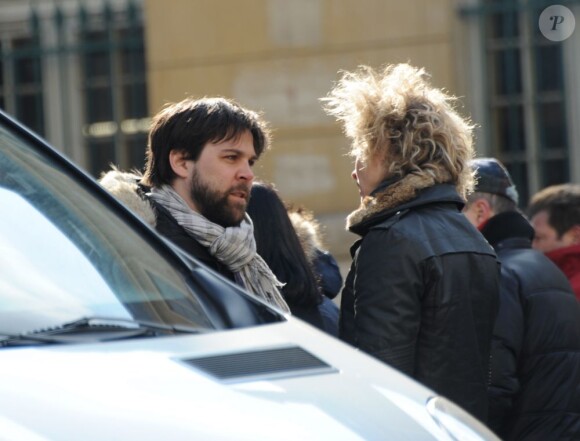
x=125 y=187
x=307 y=230
x=402 y=191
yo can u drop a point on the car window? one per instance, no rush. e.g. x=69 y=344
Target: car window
x=64 y=255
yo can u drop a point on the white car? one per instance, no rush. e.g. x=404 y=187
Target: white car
x=108 y=332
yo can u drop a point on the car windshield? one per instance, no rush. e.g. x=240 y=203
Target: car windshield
x=64 y=255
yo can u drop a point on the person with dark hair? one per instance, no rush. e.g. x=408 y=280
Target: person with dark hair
x=535 y=371
x=280 y=247
x=555 y=215
x=196 y=187
x=422 y=290
x=324 y=265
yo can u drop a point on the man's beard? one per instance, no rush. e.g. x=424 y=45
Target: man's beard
x=215 y=206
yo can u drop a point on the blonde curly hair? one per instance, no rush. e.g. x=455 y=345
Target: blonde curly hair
x=397 y=116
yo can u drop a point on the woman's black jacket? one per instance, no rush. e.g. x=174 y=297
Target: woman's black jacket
x=422 y=295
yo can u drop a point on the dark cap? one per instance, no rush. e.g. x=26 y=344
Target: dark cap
x=492 y=177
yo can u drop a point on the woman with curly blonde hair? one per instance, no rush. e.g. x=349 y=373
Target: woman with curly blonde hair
x=421 y=294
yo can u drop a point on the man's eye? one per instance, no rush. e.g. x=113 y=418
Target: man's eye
x=252 y=162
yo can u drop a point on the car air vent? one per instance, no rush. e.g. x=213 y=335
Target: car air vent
x=261 y=365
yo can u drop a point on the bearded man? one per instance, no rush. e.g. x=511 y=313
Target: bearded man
x=196 y=187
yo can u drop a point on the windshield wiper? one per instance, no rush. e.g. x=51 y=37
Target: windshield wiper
x=116 y=322
x=20 y=339
x=97 y=329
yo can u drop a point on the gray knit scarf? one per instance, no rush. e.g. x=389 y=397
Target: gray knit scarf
x=235 y=247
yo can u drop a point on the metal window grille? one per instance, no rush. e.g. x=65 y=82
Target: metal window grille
x=525 y=90
x=74 y=72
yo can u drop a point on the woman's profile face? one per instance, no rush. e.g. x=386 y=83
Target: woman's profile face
x=367 y=175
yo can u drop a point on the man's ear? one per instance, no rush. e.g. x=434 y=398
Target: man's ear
x=179 y=162
x=575 y=234
x=483 y=210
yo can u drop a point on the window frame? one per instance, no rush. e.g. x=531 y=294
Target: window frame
x=59 y=27
x=474 y=67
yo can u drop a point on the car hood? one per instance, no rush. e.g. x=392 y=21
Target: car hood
x=222 y=385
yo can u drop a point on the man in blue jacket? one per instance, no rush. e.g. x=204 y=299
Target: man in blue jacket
x=535 y=382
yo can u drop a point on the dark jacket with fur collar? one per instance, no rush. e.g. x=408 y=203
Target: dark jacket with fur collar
x=535 y=383
x=125 y=187
x=422 y=291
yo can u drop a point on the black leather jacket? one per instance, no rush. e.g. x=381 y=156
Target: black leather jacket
x=535 y=384
x=422 y=295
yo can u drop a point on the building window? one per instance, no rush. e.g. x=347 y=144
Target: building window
x=21 y=77
x=76 y=75
x=523 y=76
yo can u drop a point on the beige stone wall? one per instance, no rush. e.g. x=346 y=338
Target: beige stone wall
x=280 y=57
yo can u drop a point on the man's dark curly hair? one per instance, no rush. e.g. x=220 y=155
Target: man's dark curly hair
x=189 y=125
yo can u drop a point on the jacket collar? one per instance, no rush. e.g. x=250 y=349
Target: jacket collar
x=395 y=195
x=566 y=257
x=127 y=188
x=508 y=230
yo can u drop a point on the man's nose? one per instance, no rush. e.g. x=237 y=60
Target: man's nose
x=246 y=173
x=353 y=174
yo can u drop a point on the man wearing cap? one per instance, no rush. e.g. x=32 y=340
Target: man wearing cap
x=534 y=393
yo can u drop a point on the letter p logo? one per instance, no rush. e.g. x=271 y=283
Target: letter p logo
x=557 y=23
x=557 y=19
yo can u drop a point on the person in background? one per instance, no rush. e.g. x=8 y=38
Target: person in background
x=422 y=291
x=535 y=375
x=280 y=247
x=323 y=263
x=555 y=216
x=196 y=186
